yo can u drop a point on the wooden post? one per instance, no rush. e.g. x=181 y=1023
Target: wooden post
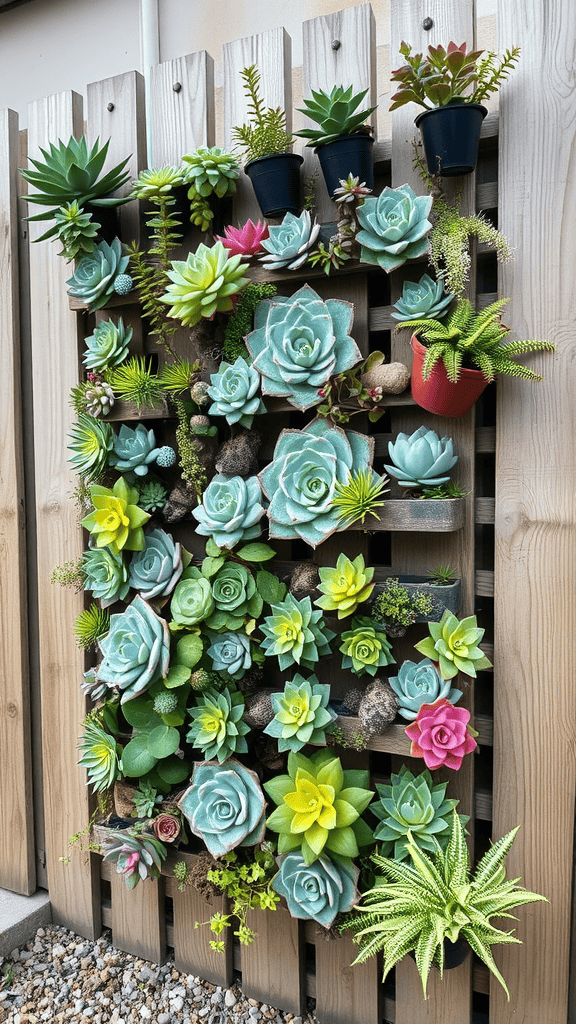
x=273 y=967
x=181 y=107
x=139 y=918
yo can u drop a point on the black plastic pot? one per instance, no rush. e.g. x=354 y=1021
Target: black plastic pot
x=352 y=154
x=276 y=181
x=108 y=218
x=451 y=135
x=455 y=953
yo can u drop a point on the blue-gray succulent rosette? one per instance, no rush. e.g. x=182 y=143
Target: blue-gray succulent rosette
x=394 y=227
x=419 y=683
x=318 y=891
x=156 y=569
x=301 y=479
x=421 y=459
x=224 y=806
x=298 y=343
x=231 y=510
x=234 y=393
x=134 y=450
x=136 y=650
x=422 y=300
x=230 y=653
x=105 y=575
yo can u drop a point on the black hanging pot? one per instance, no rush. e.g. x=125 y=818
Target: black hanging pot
x=276 y=181
x=455 y=953
x=351 y=154
x=108 y=218
x=451 y=135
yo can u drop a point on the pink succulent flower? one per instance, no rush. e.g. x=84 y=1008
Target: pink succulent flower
x=245 y=241
x=440 y=734
x=167 y=827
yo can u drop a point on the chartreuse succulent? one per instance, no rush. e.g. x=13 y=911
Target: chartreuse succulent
x=235 y=394
x=217 y=728
x=134 y=450
x=346 y=586
x=336 y=114
x=91 y=446
x=419 y=683
x=319 y=807
x=76 y=231
x=225 y=806
x=295 y=633
x=318 y=891
x=108 y=345
x=289 y=243
x=157 y=183
x=136 y=651
x=394 y=227
x=116 y=521
x=365 y=647
x=416 y=907
x=204 y=284
x=424 y=299
x=301 y=713
x=93 y=281
x=412 y=804
x=99 y=755
x=453 y=644
x=105 y=575
x=136 y=856
x=421 y=459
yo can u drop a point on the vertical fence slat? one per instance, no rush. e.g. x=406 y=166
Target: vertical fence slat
x=17 y=867
x=181 y=119
x=273 y=967
x=73 y=887
x=535 y=601
x=139 y=918
x=192 y=952
x=345 y=994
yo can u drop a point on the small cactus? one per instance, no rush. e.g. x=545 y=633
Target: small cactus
x=165 y=703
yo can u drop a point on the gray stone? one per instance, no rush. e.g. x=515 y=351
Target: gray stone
x=164 y=1018
x=230 y=999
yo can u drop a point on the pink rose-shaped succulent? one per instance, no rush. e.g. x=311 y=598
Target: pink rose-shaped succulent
x=440 y=734
x=244 y=241
x=167 y=827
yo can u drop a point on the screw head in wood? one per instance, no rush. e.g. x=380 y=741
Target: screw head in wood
x=427 y=24
x=177 y=86
x=110 y=107
x=336 y=44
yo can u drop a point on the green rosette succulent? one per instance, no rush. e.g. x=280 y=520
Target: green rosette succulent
x=421 y=459
x=75 y=230
x=192 y=601
x=319 y=807
x=136 y=856
x=231 y=510
x=136 y=651
x=93 y=279
x=99 y=755
x=301 y=479
x=419 y=683
x=235 y=597
x=289 y=243
x=453 y=644
x=224 y=806
x=217 y=728
x=204 y=284
x=299 y=342
x=116 y=521
x=234 y=393
x=210 y=171
x=134 y=450
x=301 y=714
x=365 y=647
x=394 y=227
x=335 y=112
x=412 y=803
x=346 y=586
x=152 y=496
x=155 y=570
x=230 y=653
x=105 y=575
x=295 y=633
x=91 y=446
x=422 y=300
x=319 y=891
x=157 y=184
x=108 y=346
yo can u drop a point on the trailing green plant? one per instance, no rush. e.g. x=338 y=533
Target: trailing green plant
x=265 y=133
x=146 y=798
x=331 y=258
x=442 y=575
x=241 y=319
x=444 y=75
x=99 y=754
x=77 y=839
x=91 y=626
x=336 y=113
x=394 y=604
x=193 y=472
x=76 y=231
x=359 y=496
x=309 y=191
x=245 y=878
x=134 y=382
x=69 y=574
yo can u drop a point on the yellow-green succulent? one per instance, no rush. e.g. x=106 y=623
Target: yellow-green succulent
x=346 y=586
x=116 y=521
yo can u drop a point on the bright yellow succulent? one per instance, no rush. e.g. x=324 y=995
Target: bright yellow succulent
x=346 y=586
x=116 y=521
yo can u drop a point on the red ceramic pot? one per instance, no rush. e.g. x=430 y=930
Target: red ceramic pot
x=438 y=394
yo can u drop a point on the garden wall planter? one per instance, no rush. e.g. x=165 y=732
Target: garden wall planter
x=442 y=596
x=276 y=182
x=451 y=135
x=352 y=154
x=438 y=394
x=432 y=515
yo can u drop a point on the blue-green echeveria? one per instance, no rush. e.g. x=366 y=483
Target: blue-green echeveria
x=230 y=653
x=234 y=393
x=231 y=510
x=422 y=300
x=156 y=569
x=192 y=601
x=318 y=891
x=365 y=647
x=134 y=450
x=295 y=633
x=93 y=279
x=136 y=650
x=300 y=342
x=421 y=459
x=217 y=728
x=301 y=713
x=288 y=243
x=394 y=227
x=419 y=683
x=105 y=575
x=108 y=346
x=413 y=803
x=224 y=806
x=301 y=479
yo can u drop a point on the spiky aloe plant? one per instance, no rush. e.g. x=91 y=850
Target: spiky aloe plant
x=359 y=496
x=99 y=755
x=136 y=856
x=336 y=113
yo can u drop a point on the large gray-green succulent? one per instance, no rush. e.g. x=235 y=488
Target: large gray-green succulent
x=394 y=227
x=94 y=277
x=134 y=451
x=108 y=345
x=156 y=569
x=425 y=299
x=136 y=652
x=234 y=393
x=421 y=459
x=412 y=803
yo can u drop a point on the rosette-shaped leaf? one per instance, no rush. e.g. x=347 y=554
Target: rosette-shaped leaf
x=224 y=806
x=319 y=807
x=295 y=633
x=134 y=450
x=245 y=241
x=156 y=182
x=93 y=279
x=156 y=569
x=204 y=284
x=99 y=755
x=211 y=171
x=453 y=644
x=231 y=510
x=217 y=728
x=365 y=647
x=235 y=596
x=319 y=891
x=335 y=112
x=108 y=346
x=419 y=683
x=106 y=575
x=192 y=601
x=289 y=243
x=136 y=651
x=422 y=300
x=346 y=586
x=300 y=342
x=99 y=398
x=394 y=227
x=116 y=521
x=421 y=459
x=300 y=713
x=91 y=446
x=167 y=828
x=230 y=654
x=440 y=735
x=234 y=393
x=413 y=803
x=136 y=857
x=301 y=479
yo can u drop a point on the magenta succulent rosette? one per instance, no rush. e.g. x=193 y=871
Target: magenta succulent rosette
x=244 y=241
x=167 y=827
x=441 y=735
x=224 y=806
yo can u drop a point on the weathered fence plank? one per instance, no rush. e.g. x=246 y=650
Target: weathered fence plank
x=192 y=951
x=181 y=107
x=345 y=994
x=139 y=918
x=273 y=967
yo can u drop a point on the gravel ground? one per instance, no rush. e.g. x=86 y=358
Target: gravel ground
x=59 y=977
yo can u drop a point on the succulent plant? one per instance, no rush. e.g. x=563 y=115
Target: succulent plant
x=204 y=284
x=105 y=575
x=166 y=457
x=453 y=644
x=289 y=243
x=116 y=521
x=412 y=804
x=230 y=653
x=99 y=755
x=421 y=459
x=296 y=634
x=440 y=734
x=365 y=647
x=445 y=75
x=210 y=171
x=346 y=586
x=192 y=601
x=99 y=398
x=134 y=381
x=167 y=828
x=394 y=227
x=202 y=680
x=146 y=798
x=136 y=856
x=231 y=510
x=165 y=703
x=245 y=241
x=76 y=231
x=234 y=594
x=319 y=891
x=358 y=498
x=91 y=626
x=93 y=279
x=419 y=683
x=425 y=299
x=301 y=479
x=234 y=393
x=224 y=806
x=123 y=284
x=398 y=608
x=336 y=112
x=90 y=686
x=152 y=496
x=157 y=182
x=136 y=652
x=108 y=345
x=134 y=450
x=156 y=569
x=217 y=728
x=319 y=807
x=299 y=342
x=91 y=446
x=266 y=133
x=301 y=713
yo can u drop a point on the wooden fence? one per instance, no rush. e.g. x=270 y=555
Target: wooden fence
x=515 y=551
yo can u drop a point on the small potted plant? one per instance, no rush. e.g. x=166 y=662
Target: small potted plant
x=342 y=141
x=272 y=169
x=398 y=607
x=450 y=84
x=441 y=587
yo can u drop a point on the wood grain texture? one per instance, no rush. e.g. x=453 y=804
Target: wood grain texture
x=17 y=854
x=181 y=119
x=346 y=994
x=73 y=887
x=192 y=952
x=139 y=918
x=535 y=600
x=433 y=515
x=273 y=967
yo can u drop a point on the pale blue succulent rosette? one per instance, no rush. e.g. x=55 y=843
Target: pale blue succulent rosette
x=231 y=510
x=319 y=891
x=394 y=227
x=224 y=806
x=134 y=451
x=421 y=459
x=192 y=601
x=289 y=243
x=94 y=276
x=301 y=480
x=136 y=651
x=422 y=300
x=234 y=393
x=300 y=342
x=230 y=653
x=155 y=570
x=108 y=345
x=419 y=683
x=105 y=575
